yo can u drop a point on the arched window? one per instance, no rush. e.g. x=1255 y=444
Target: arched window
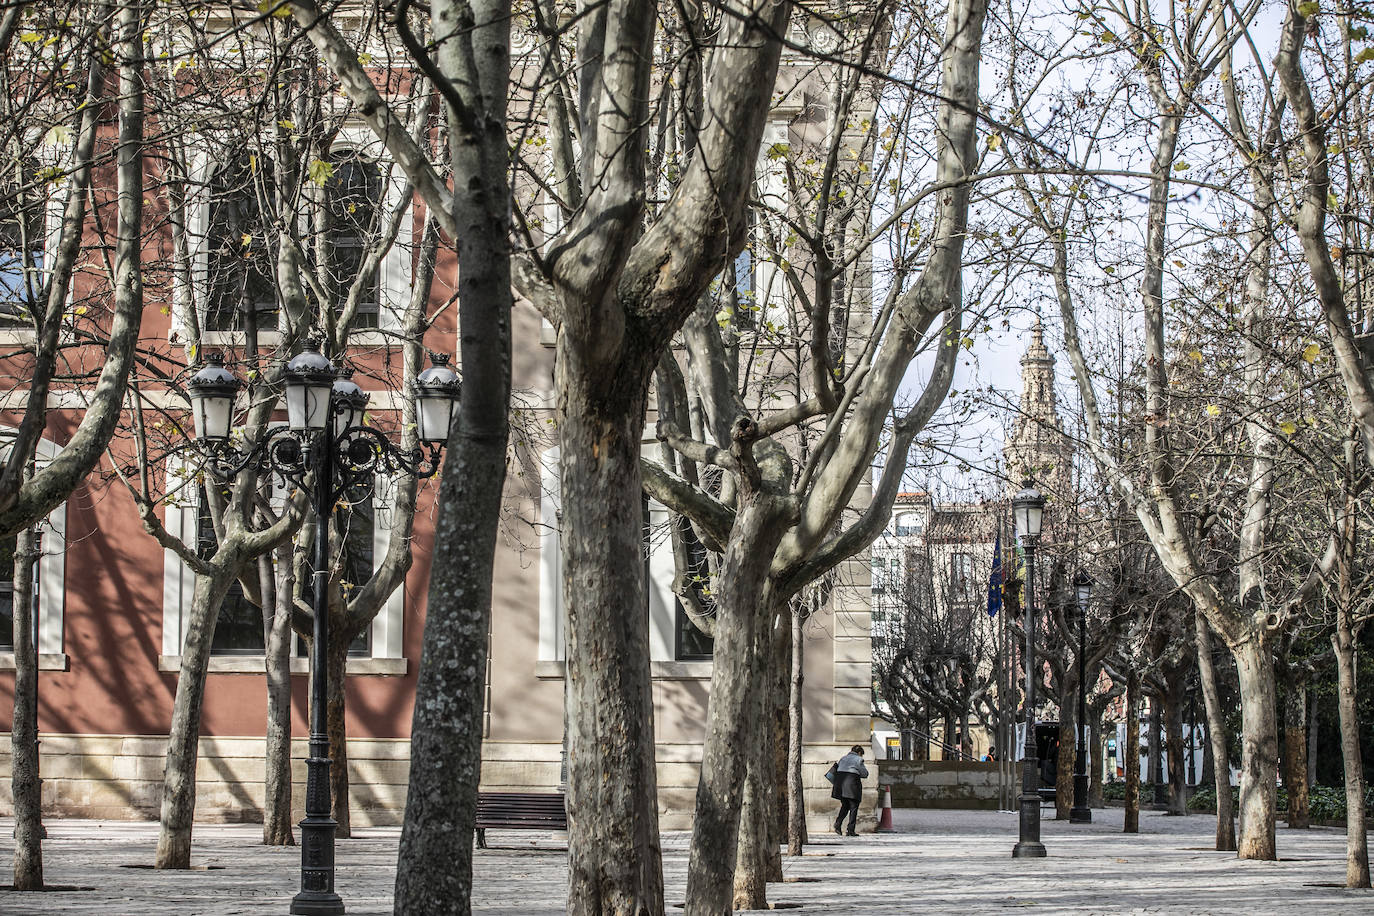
x=22 y=214
x=354 y=195
x=240 y=277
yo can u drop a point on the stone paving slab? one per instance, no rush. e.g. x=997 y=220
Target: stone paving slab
x=937 y=862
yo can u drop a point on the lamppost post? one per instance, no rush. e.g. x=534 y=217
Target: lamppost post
x=1028 y=506
x=326 y=446
x=1080 y=813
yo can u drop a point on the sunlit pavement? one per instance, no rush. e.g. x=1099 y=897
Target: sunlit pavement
x=936 y=862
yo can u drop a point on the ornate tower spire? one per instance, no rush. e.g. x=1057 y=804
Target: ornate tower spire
x=1038 y=447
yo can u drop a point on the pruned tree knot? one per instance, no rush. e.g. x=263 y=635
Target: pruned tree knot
x=745 y=430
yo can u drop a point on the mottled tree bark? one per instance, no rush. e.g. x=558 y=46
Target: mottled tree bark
x=1313 y=739
x=1343 y=641
x=614 y=854
x=1130 y=754
x=1356 y=842
x=276 y=821
x=1216 y=735
x=1259 y=750
x=1173 y=740
x=434 y=868
x=1064 y=758
x=740 y=679
x=24 y=760
x=1295 y=752
x=796 y=795
x=183 y=738
x=749 y=884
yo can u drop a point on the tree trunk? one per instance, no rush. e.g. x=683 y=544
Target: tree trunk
x=24 y=778
x=1356 y=843
x=434 y=862
x=1064 y=759
x=615 y=861
x=1173 y=737
x=740 y=706
x=1312 y=740
x=1130 y=754
x=1259 y=750
x=1295 y=753
x=183 y=738
x=336 y=726
x=276 y=821
x=1155 y=756
x=777 y=707
x=1097 y=754
x=750 y=884
x=1216 y=735
x=1208 y=762
x=796 y=794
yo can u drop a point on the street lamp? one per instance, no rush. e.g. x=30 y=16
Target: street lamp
x=324 y=447
x=1080 y=813
x=1028 y=507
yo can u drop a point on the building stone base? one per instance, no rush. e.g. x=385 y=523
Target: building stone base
x=119 y=777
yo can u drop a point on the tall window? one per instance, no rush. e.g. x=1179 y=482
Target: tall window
x=21 y=249
x=239 y=269
x=961 y=578
x=7 y=548
x=354 y=200
x=239 y=627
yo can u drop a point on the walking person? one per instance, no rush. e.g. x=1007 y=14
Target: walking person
x=848 y=787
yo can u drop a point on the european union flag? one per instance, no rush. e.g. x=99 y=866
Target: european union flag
x=995 y=580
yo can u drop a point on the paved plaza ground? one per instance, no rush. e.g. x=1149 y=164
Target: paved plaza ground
x=937 y=862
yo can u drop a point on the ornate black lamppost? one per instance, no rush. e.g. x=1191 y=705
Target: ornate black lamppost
x=324 y=447
x=1080 y=813
x=1028 y=507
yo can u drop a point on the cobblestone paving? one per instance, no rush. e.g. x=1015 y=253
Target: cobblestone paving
x=937 y=862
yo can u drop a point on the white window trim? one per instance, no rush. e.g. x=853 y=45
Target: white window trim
x=178 y=587
x=662 y=601
x=552 y=619
x=771 y=293
x=52 y=571
x=393 y=275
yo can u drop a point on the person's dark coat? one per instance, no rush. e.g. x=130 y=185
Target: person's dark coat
x=847 y=785
x=850 y=771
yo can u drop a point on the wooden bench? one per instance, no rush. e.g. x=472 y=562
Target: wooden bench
x=519 y=811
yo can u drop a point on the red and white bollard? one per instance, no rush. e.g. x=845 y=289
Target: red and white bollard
x=885 y=819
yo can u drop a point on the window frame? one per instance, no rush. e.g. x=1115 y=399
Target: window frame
x=661 y=600
x=394 y=274
x=385 y=636
x=51 y=574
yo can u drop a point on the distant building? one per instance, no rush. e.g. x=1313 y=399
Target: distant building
x=931 y=566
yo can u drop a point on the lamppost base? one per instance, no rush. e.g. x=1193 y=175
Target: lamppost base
x=1028 y=849
x=316 y=903
x=1080 y=813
